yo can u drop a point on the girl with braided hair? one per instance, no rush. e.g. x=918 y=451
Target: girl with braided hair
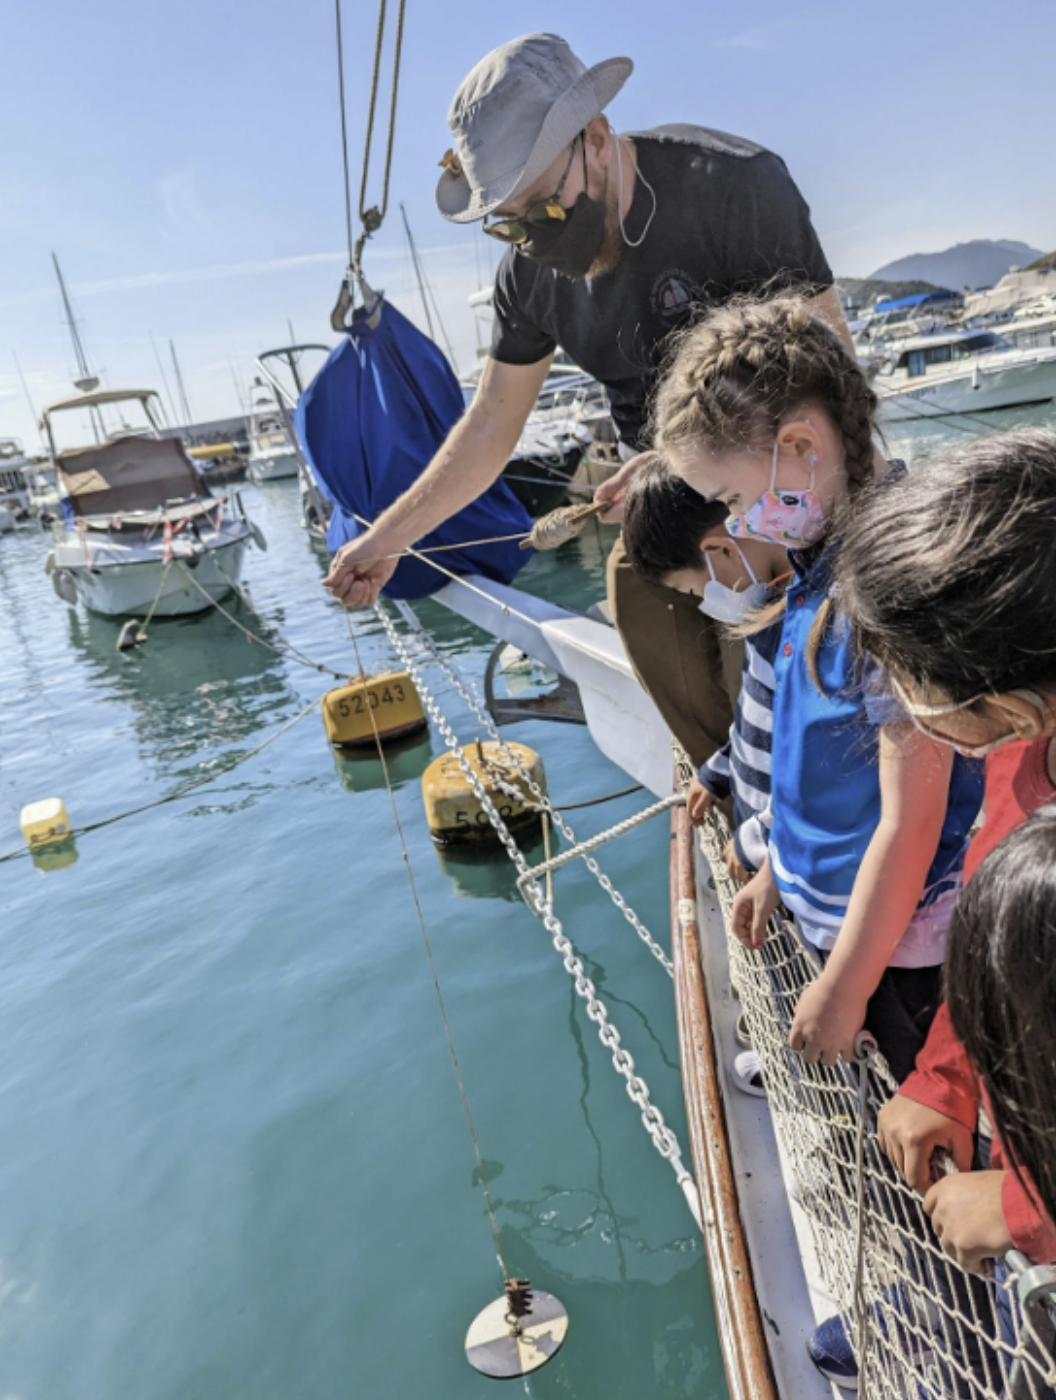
x=764 y=410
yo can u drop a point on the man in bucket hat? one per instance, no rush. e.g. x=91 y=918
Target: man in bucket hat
x=613 y=243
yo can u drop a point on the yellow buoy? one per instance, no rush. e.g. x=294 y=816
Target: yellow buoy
x=56 y=855
x=390 y=697
x=45 y=821
x=454 y=813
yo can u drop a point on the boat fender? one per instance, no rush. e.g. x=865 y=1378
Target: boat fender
x=453 y=811
x=258 y=535
x=62 y=582
x=49 y=563
x=130 y=636
x=45 y=822
x=387 y=703
x=975 y=376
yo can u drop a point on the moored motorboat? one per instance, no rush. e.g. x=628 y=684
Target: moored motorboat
x=140 y=532
x=272 y=453
x=956 y=371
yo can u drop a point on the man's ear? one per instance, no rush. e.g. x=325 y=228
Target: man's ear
x=599 y=142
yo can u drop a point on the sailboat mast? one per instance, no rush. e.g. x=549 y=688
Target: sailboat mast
x=78 y=349
x=86 y=380
x=184 y=404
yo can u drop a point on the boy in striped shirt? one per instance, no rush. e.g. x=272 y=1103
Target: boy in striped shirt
x=674 y=537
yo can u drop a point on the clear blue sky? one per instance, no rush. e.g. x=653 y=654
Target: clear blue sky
x=183 y=156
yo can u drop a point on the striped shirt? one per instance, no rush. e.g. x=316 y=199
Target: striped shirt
x=742 y=766
x=826 y=783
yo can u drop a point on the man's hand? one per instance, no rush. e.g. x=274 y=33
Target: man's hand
x=826 y=1022
x=615 y=489
x=910 y=1132
x=698 y=800
x=734 y=868
x=361 y=569
x=753 y=906
x=967 y=1216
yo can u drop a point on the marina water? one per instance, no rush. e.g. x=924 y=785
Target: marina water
x=235 y=1162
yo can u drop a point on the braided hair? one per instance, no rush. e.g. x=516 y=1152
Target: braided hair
x=735 y=376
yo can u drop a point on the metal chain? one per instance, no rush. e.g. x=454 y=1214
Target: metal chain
x=663 y=1138
x=484 y=719
x=485 y=1185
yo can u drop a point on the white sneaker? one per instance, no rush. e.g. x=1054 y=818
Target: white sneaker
x=748 y=1074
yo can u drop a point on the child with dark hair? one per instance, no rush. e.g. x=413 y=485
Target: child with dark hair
x=949 y=578
x=674 y=537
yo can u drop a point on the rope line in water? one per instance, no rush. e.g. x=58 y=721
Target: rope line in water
x=432 y=965
x=181 y=791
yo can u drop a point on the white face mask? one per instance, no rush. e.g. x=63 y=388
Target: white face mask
x=918 y=713
x=732 y=605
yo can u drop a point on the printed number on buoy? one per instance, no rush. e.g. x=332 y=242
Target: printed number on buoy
x=390 y=697
x=455 y=814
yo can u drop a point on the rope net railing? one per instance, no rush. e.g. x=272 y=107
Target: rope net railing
x=922 y=1328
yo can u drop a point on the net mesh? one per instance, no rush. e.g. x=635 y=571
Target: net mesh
x=922 y=1328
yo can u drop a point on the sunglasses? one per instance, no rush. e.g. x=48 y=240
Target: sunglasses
x=519 y=230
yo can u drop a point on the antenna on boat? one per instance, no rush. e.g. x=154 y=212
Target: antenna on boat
x=425 y=291
x=29 y=401
x=170 y=404
x=181 y=388
x=87 y=381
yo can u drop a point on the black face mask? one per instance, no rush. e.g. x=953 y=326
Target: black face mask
x=569 y=245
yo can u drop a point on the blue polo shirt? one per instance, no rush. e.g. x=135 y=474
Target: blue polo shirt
x=826 y=779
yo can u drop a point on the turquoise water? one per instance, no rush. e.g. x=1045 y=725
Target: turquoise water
x=235 y=1162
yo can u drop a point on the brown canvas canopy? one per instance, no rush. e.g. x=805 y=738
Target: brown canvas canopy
x=131 y=473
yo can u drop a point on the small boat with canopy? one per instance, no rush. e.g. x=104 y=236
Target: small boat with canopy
x=140 y=532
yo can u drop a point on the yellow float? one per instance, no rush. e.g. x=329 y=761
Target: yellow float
x=452 y=809
x=389 y=697
x=45 y=822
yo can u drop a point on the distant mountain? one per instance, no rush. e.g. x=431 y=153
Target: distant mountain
x=1049 y=260
x=980 y=263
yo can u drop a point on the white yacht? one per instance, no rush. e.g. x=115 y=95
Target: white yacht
x=140 y=532
x=958 y=371
x=272 y=453
x=14 y=484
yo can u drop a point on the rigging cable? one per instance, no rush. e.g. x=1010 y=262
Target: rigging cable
x=432 y=964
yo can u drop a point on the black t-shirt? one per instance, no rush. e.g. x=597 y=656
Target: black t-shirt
x=729 y=220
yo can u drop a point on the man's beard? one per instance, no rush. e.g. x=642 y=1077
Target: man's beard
x=612 y=243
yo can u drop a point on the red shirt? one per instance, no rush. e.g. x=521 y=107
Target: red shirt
x=1017 y=784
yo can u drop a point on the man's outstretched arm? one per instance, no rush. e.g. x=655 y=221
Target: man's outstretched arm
x=469 y=460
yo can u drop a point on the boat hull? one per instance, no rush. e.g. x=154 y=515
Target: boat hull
x=976 y=390
x=275 y=467
x=128 y=588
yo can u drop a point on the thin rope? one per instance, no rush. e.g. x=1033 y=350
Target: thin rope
x=382 y=209
x=157 y=598
x=432 y=964
x=287 y=650
x=344 y=131
x=177 y=792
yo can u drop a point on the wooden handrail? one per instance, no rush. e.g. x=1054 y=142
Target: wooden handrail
x=746 y=1356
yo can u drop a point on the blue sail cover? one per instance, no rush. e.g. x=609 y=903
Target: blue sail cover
x=370 y=422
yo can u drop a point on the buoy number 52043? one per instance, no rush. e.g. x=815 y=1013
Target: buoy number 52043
x=354 y=705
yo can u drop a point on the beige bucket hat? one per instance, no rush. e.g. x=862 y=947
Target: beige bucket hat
x=513 y=115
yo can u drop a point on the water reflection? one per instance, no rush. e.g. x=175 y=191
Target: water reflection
x=406 y=760
x=196 y=684
x=486 y=872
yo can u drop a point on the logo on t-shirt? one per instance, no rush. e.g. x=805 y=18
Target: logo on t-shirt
x=672 y=294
